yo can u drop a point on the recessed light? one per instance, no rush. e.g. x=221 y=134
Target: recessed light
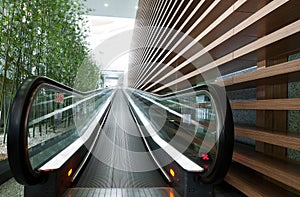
x=136 y=7
x=106 y=5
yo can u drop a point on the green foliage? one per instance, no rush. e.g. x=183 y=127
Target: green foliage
x=90 y=77
x=40 y=37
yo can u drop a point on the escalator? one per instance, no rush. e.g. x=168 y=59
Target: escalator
x=116 y=142
x=119 y=132
x=112 y=165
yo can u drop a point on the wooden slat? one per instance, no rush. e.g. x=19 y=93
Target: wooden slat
x=263 y=73
x=280 y=34
x=247 y=182
x=291 y=141
x=269 y=104
x=279 y=170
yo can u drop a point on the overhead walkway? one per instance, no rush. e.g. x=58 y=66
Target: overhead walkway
x=118 y=142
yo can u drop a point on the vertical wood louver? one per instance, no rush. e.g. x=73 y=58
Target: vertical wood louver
x=254 y=45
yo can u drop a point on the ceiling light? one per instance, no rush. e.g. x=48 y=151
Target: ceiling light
x=106 y=5
x=136 y=7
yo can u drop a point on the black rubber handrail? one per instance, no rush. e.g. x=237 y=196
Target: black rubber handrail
x=183 y=91
x=226 y=138
x=17 y=144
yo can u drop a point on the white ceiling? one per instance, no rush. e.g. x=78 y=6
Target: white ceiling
x=110 y=18
x=113 y=8
x=103 y=28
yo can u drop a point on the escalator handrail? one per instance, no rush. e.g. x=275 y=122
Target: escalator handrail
x=181 y=159
x=170 y=95
x=226 y=140
x=17 y=143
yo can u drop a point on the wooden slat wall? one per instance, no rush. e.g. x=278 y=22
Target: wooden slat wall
x=268 y=104
x=247 y=79
x=235 y=34
x=290 y=140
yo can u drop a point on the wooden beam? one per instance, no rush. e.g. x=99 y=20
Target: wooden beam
x=277 y=169
x=245 y=180
x=268 y=104
x=263 y=73
x=291 y=141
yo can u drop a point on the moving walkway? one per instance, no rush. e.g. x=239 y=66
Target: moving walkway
x=118 y=142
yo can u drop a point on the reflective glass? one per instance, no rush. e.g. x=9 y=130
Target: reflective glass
x=57 y=118
x=188 y=122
